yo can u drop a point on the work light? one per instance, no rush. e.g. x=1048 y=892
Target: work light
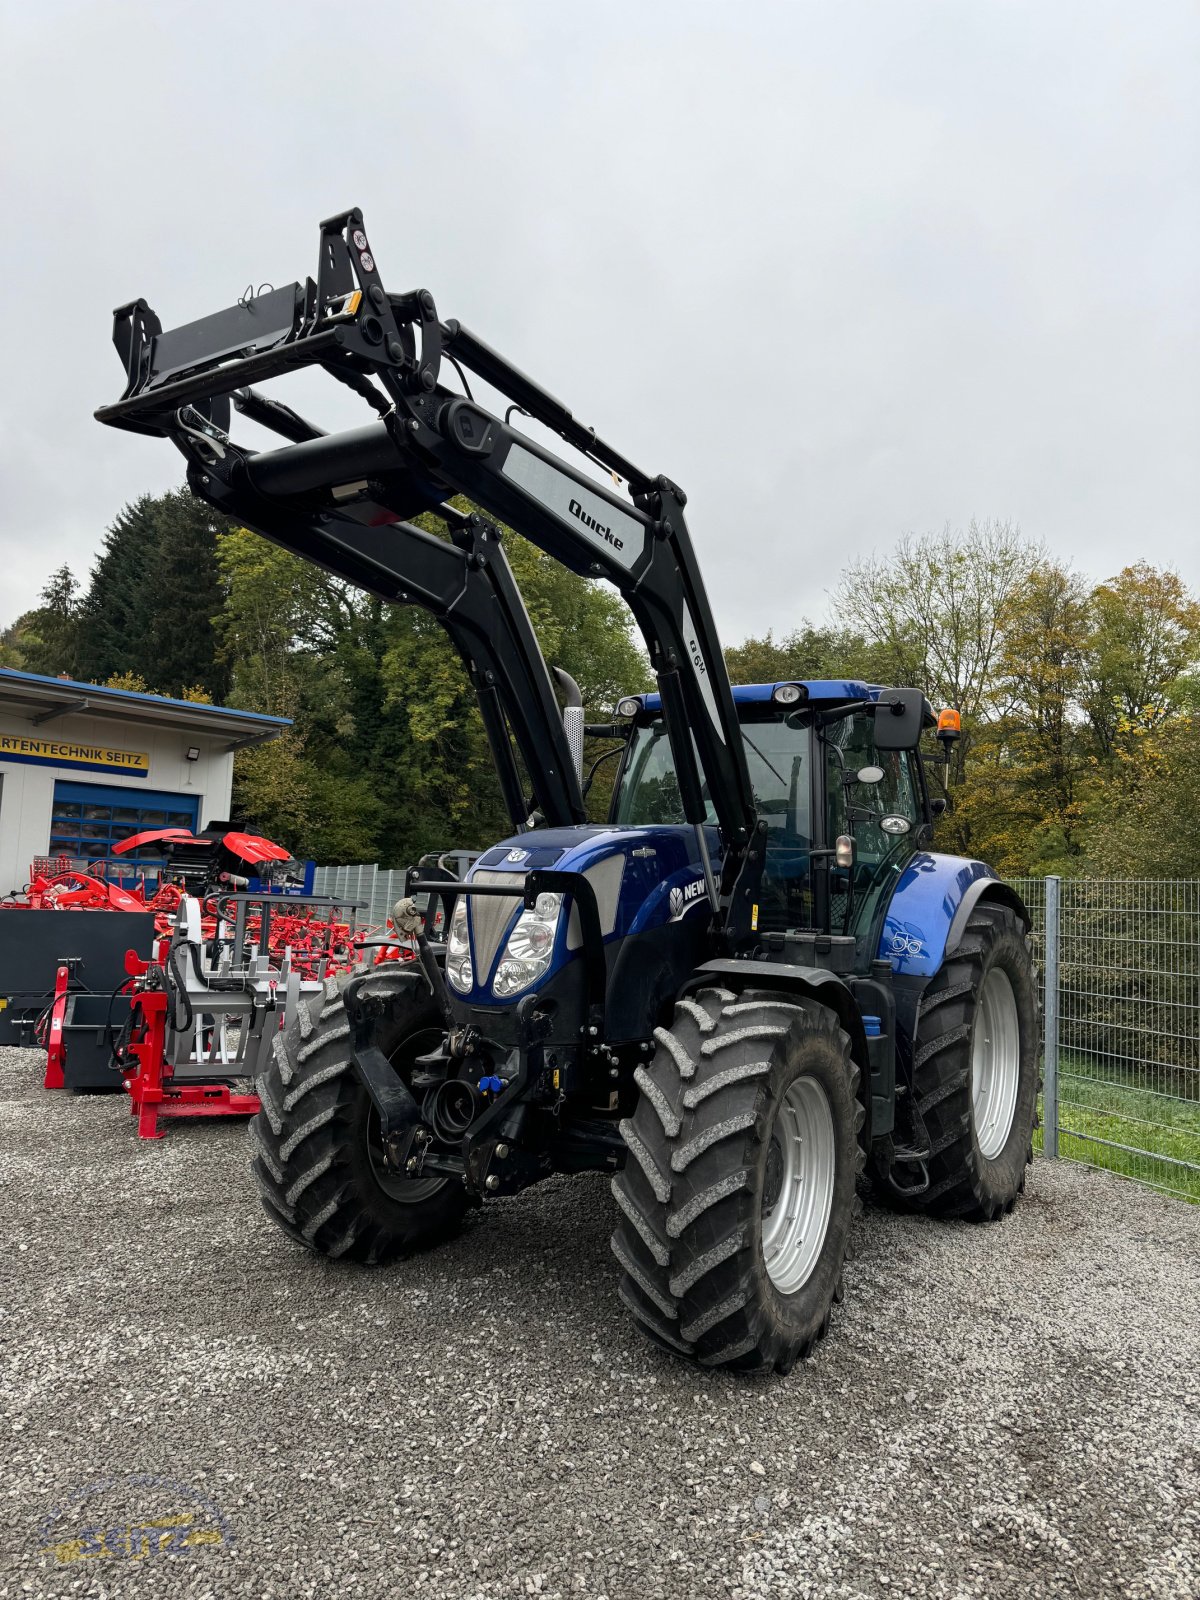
x=789 y=694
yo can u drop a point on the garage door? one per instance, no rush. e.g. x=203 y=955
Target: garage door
x=89 y=818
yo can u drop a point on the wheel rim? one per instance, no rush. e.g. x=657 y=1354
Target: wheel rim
x=995 y=1063
x=798 y=1188
x=408 y=1191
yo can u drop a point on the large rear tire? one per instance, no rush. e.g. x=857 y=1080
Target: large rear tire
x=975 y=1070
x=738 y=1191
x=316 y=1152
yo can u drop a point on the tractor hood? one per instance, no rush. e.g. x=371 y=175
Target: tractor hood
x=642 y=877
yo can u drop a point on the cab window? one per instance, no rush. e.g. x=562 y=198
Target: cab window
x=880 y=853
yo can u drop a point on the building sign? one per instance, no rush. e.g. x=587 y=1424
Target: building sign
x=67 y=753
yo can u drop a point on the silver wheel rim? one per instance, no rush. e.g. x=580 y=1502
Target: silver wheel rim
x=995 y=1063
x=801 y=1163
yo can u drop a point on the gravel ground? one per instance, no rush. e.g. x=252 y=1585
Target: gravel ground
x=1005 y=1411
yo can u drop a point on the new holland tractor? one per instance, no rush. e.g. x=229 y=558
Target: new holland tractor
x=752 y=988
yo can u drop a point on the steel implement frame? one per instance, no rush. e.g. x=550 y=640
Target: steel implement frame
x=431 y=443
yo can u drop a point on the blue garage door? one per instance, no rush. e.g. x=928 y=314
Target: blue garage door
x=89 y=818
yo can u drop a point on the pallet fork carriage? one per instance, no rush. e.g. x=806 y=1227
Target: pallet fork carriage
x=756 y=982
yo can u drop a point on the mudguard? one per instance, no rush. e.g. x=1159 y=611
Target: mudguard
x=929 y=910
x=828 y=987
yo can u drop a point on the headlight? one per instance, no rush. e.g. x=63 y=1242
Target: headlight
x=458 y=950
x=530 y=947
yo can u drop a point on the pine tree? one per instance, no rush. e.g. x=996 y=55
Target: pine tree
x=185 y=596
x=113 y=620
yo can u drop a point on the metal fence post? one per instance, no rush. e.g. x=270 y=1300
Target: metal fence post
x=1050 y=1022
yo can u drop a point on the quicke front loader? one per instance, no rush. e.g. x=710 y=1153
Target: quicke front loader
x=752 y=987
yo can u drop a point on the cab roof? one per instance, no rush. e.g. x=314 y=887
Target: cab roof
x=830 y=691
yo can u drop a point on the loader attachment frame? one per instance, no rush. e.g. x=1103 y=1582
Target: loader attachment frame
x=336 y=499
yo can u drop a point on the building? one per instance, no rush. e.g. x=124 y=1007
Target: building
x=82 y=767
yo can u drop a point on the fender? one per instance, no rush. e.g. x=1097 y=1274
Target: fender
x=930 y=908
x=831 y=990
x=827 y=987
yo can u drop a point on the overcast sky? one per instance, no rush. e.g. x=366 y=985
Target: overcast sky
x=842 y=270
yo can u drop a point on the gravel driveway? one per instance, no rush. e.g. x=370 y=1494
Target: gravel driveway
x=1004 y=1411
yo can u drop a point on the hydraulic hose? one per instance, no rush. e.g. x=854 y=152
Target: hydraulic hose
x=451 y=1108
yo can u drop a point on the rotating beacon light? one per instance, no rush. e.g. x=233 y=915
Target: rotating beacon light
x=949 y=729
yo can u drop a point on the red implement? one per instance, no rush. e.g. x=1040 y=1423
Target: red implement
x=149 y=1081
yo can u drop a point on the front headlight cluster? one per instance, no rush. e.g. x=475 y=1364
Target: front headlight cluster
x=527 y=954
x=530 y=947
x=458 y=950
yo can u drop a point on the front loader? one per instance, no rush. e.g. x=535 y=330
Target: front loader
x=752 y=985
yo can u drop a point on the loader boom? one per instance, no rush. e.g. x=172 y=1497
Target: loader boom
x=430 y=443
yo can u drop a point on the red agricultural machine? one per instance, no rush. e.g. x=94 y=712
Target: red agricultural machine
x=184 y=1028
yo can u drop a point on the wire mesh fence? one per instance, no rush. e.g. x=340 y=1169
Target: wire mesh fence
x=1120 y=966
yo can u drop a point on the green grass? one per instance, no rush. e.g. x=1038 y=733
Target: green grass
x=1157 y=1130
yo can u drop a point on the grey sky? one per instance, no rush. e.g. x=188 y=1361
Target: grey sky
x=841 y=270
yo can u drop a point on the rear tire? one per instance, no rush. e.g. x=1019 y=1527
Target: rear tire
x=317 y=1156
x=738 y=1190
x=975 y=1071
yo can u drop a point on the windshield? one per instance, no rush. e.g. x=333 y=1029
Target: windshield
x=779 y=759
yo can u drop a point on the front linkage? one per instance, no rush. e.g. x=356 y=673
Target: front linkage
x=493 y=1113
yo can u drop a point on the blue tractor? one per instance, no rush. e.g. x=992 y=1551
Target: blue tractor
x=753 y=989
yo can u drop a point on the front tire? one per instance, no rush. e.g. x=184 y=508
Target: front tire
x=738 y=1190
x=975 y=1070
x=317 y=1157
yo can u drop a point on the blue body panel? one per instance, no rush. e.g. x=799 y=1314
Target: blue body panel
x=662 y=884
x=928 y=893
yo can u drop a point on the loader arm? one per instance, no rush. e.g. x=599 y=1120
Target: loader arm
x=430 y=443
x=467 y=585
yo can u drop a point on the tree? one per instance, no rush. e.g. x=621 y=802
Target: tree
x=154 y=592
x=47 y=638
x=113 y=619
x=1020 y=802
x=808 y=652
x=388 y=758
x=1143 y=638
x=183 y=597
x=1144 y=813
x=934 y=609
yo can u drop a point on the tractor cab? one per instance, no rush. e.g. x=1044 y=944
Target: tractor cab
x=843 y=816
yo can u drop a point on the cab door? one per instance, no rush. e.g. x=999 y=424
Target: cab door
x=882 y=817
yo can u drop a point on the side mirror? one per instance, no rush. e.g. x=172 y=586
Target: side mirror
x=936 y=807
x=899 y=714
